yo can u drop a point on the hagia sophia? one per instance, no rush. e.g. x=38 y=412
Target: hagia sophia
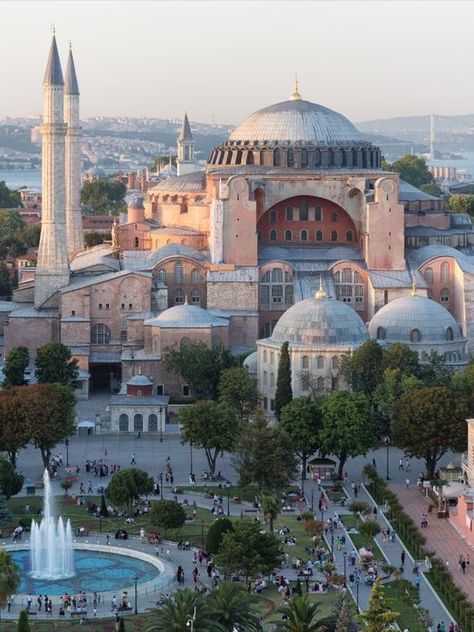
x=292 y=232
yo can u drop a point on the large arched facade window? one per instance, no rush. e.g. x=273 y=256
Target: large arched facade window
x=276 y=157
x=179 y=297
x=100 y=334
x=444 y=295
x=428 y=274
x=138 y=423
x=415 y=335
x=349 y=287
x=444 y=272
x=195 y=276
x=276 y=289
x=178 y=273
x=161 y=276
x=123 y=423
x=152 y=423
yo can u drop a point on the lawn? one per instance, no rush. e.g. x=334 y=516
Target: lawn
x=247 y=494
x=360 y=541
x=400 y=602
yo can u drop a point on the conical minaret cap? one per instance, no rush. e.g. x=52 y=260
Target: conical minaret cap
x=185 y=131
x=53 y=74
x=70 y=84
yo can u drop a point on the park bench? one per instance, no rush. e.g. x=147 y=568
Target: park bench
x=251 y=510
x=74 y=613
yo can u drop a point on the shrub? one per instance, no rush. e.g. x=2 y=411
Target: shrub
x=215 y=533
x=369 y=528
x=167 y=514
x=360 y=507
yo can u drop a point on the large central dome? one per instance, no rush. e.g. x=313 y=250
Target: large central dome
x=297 y=121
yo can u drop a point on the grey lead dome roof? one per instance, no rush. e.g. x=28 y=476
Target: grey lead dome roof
x=186 y=317
x=402 y=315
x=297 y=120
x=139 y=380
x=317 y=322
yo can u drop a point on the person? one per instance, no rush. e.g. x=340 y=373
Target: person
x=107 y=538
x=417 y=581
x=400 y=465
x=407 y=482
x=133 y=460
x=463 y=566
x=40 y=602
x=29 y=601
x=9 y=602
x=402 y=558
x=374 y=463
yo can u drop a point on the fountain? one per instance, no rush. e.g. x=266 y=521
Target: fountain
x=51 y=542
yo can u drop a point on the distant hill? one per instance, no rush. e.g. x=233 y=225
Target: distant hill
x=403 y=125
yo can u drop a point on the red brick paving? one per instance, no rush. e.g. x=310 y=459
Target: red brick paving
x=441 y=536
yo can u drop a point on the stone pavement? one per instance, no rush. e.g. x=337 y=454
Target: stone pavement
x=441 y=537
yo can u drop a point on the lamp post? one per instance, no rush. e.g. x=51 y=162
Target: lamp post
x=322 y=514
x=312 y=500
x=66 y=443
x=191 y=456
x=228 y=498
x=332 y=542
x=387 y=445
x=161 y=485
x=161 y=425
x=345 y=566
x=357 y=578
x=202 y=534
x=135 y=580
x=190 y=620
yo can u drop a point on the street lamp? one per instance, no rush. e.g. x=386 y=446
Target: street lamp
x=190 y=620
x=387 y=445
x=161 y=425
x=191 y=456
x=357 y=578
x=135 y=580
x=332 y=542
x=161 y=485
x=66 y=443
x=228 y=498
x=312 y=500
x=202 y=534
x=345 y=566
x=322 y=514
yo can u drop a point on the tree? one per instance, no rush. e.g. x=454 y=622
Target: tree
x=284 y=392
x=427 y=423
x=15 y=421
x=16 y=362
x=167 y=514
x=379 y=617
x=238 y=390
x=301 y=420
x=10 y=482
x=5 y=283
x=300 y=615
x=264 y=456
x=386 y=395
x=432 y=189
x=94 y=238
x=435 y=372
x=6 y=515
x=9 y=577
x=363 y=369
x=121 y=627
x=23 y=623
x=400 y=356
x=104 y=512
x=211 y=426
x=215 y=533
x=233 y=608
x=128 y=485
x=8 y=198
x=413 y=170
x=348 y=428
x=270 y=508
x=175 y=611
x=369 y=529
x=461 y=204
x=12 y=234
x=66 y=485
x=104 y=196
x=199 y=366
x=54 y=365
x=51 y=411
x=248 y=551
x=345 y=622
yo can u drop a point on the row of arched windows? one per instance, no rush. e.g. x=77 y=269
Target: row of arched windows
x=415 y=334
x=444 y=273
x=276 y=289
x=178 y=275
x=124 y=423
x=305 y=235
x=320 y=362
x=179 y=296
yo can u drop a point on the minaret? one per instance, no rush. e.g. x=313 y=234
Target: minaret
x=52 y=270
x=74 y=232
x=185 y=159
x=432 y=137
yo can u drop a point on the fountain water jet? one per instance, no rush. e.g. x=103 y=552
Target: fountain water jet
x=51 y=543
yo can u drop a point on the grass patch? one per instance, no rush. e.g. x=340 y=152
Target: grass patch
x=359 y=541
x=247 y=494
x=326 y=603
x=401 y=602
x=132 y=624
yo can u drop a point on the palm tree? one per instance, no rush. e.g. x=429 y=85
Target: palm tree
x=174 y=613
x=300 y=616
x=270 y=507
x=233 y=608
x=9 y=577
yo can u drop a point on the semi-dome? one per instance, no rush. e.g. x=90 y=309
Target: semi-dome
x=413 y=319
x=139 y=380
x=320 y=321
x=250 y=364
x=186 y=317
x=296 y=121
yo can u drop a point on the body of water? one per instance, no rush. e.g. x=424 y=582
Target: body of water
x=16 y=179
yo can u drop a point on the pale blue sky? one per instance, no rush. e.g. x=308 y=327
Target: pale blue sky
x=225 y=59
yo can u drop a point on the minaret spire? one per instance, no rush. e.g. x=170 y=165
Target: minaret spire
x=185 y=158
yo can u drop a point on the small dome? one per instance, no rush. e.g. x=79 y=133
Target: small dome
x=139 y=380
x=250 y=364
x=320 y=321
x=136 y=203
x=186 y=317
x=414 y=319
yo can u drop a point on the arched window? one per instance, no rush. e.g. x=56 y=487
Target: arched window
x=305 y=362
x=445 y=272
x=385 y=297
x=250 y=158
x=184 y=343
x=290 y=158
x=333 y=235
x=304 y=212
x=123 y=423
x=264 y=378
x=444 y=295
x=152 y=423
x=100 y=334
x=273 y=216
x=288 y=235
x=334 y=362
x=320 y=384
x=178 y=273
x=304 y=235
x=415 y=335
x=349 y=235
x=289 y=213
x=265 y=355
x=161 y=276
x=319 y=235
x=179 y=297
x=381 y=333
x=304 y=157
x=138 y=423
x=272 y=379
x=428 y=274
x=276 y=157
x=137 y=242
x=195 y=296
x=195 y=276
x=320 y=362
x=449 y=334
x=273 y=235
x=277 y=275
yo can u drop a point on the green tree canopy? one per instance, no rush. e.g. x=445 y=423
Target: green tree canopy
x=167 y=514
x=348 y=428
x=412 y=169
x=400 y=356
x=238 y=390
x=55 y=366
x=284 y=392
x=175 y=611
x=233 y=608
x=248 y=551
x=6 y=515
x=128 y=486
x=363 y=369
x=431 y=188
x=299 y=615
x=427 y=423
x=379 y=617
x=94 y=238
x=12 y=234
x=16 y=362
x=10 y=482
x=215 y=533
x=9 y=577
x=386 y=395
x=211 y=426
x=8 y=198
x=5 y=281
x=104 y=196
x=264 y=456
x=15 y=421
x=461 y=204
x=270 y=508
x=200 y=367
x=23 y=623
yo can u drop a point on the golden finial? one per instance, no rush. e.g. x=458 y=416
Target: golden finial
x=70 y=45
x=53 y=29
x=413 y=287
x=296 y=96
x=321 y=293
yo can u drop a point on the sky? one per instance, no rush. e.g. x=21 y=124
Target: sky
x=221 y=60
